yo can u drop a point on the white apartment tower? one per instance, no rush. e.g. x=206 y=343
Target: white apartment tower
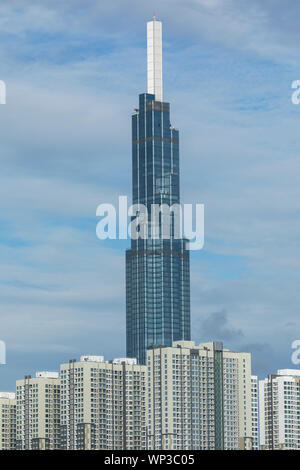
x=103 y=404
x=200 y=397
x=254 y=411
x=7 y=421
x=279 y=409
x=38 y=412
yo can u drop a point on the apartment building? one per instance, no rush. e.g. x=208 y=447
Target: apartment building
x=200 y=397
x=38 y=412
x=254 y=412
x=279 y=409
x=7 y=421
x=103 y=404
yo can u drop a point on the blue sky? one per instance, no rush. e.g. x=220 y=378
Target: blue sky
x=73 y=72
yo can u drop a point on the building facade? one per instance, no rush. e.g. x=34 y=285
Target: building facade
x=103 y=404
x=7 y=421
x=38 y=412
x=279 y=409
x=157 y=264
x=255 y=412
x=200 y=397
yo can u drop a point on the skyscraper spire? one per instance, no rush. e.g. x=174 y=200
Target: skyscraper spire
x=154 y=58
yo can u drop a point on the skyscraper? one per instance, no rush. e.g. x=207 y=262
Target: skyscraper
x=157 y=269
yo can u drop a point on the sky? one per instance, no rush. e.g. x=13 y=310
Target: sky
x=73 y=72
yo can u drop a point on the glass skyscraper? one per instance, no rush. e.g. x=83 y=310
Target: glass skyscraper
x=157 y=269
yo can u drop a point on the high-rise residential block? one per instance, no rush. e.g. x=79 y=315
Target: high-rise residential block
x=157 y=265
x=38 y=412
x=7 y=421
x=103 y=404
x=254 y=411
x=200 y=397
x=279 y=410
